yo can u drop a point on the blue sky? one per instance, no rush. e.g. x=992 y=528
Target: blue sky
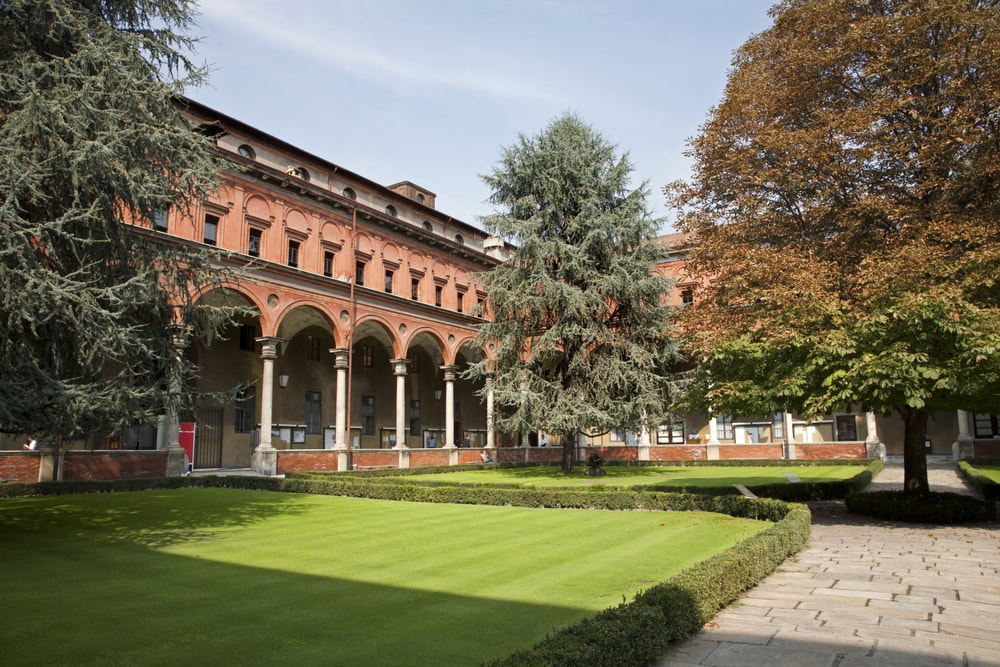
x=430 y=91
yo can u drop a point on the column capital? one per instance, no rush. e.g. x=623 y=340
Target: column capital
x=269 y=346
x=450 y=372
x=340 y=356
x=399 y=366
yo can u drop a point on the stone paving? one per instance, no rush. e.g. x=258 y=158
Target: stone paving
x=867 y=592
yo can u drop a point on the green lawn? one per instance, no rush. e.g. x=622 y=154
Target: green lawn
x=627 y=476
x=219 y=576
x=993 y=472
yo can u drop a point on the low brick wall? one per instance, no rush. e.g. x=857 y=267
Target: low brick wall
x=543 y=454
x=986 y=449
x=737 y=452
x=678 y=453
x=376 y=458
x=422 y=458
x=307 y=460
x=113 y=464
x=20 y=466
x=830 y=450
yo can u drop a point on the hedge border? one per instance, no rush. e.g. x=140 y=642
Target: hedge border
x=792 y=492
x=979 y=481
x=633 y=633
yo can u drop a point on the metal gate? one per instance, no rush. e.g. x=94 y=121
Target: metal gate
x=208 y=438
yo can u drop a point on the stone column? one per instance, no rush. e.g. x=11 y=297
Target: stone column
x=264 y=460
x=177 y=463
x=490 y=433
x=449 y=405
x=963 y=447
x=399 y=369
x=789 y=435
x=713 y=439
x=340 y=356
x=874 y=449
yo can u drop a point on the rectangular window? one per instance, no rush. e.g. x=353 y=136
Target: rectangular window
x=671 y=433
x=293 y=253
x=438 y=291
x=211 y=228
x=617 y=435
x=388 y=281
x=461 y=302
x=724 y=427
x=687 y=296
x=245 y=419
x=359 y=274
x=985 y=426
x=367 y=415
x=414 y=288
x=160 y=220
x=847 y=428
x=248 y=337
x=312 y=349
x=415 y=417
x=367 y=356
x=778 y=425
x=328 y=264
x=253 y=245
x=313 y=413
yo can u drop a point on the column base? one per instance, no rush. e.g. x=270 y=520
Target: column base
x=712 y=451
x=178 y=464
x=874 y=449
x=264 y=460
x=963 y=448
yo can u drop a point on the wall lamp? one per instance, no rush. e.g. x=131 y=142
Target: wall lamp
x=283 y=380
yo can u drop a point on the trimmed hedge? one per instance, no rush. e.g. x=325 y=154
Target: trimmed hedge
x=937 y=507
x=633 y=633
x=979 y=481
x=797 y=492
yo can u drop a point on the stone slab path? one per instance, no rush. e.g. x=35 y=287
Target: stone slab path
x=867 y=592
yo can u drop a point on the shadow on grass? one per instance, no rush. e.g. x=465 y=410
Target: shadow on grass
x=151 y=608
x=88 y=590
x=168 y=516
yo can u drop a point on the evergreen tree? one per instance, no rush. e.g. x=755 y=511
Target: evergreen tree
x=847 y=202
x=92 y=144
x=577 y=337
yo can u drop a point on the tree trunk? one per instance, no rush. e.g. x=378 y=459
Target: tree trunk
x=914 y=455
x=568 y=451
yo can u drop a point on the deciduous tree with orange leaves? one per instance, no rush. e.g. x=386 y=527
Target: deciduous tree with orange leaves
x=846 y=197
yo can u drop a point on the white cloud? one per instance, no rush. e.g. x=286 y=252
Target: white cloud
x=351 y=43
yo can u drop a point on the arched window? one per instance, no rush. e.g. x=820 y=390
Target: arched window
x=390 y=210
x=246 y=151
x=427 y=226
x=459 y=239
x=350 y=194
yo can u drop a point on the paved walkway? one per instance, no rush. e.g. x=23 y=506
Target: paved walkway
x=867 y=592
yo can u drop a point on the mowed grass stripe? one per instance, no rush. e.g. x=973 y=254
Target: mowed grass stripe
x=223 y=576
x=629 y=476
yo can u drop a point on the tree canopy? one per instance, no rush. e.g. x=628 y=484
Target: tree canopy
x=846 y=198
x=92 y=142
x=577 y=337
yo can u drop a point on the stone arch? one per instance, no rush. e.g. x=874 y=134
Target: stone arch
x=302 y=314
x=379 y=328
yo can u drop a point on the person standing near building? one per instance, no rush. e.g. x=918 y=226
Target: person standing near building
x=31 y=445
